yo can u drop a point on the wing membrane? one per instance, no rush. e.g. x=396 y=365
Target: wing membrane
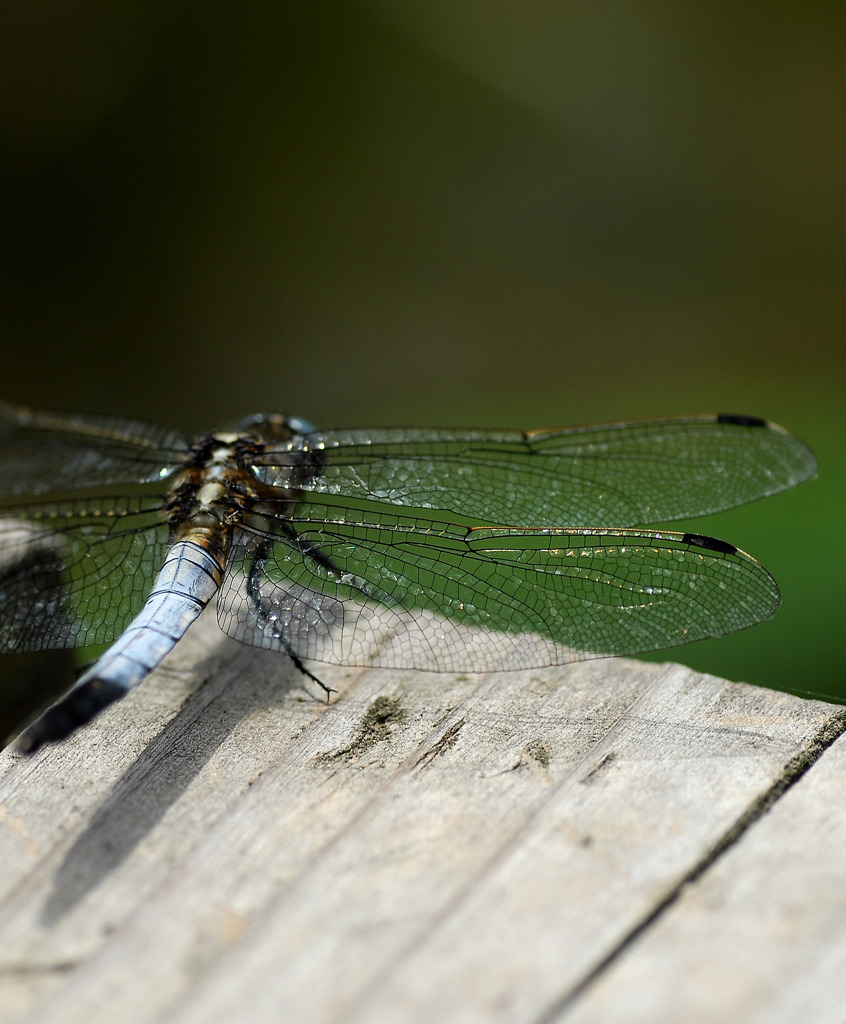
x=418 y=593
x=74 y=573
x=44 y=453
x=400 y=553
x=624 y=474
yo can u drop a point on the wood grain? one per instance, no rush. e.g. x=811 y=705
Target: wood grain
x=587 y=843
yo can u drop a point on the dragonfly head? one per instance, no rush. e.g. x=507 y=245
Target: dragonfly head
x=274 y=426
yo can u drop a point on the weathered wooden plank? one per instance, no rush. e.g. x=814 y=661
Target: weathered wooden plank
x=468 y=847
x=760 y=936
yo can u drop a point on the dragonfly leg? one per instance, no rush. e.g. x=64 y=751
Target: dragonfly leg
x=254 y=580
x=299 y=665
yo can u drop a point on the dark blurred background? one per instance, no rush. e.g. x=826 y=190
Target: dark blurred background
x=388 y=212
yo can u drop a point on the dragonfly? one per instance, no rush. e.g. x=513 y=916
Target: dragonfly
x=432 y=549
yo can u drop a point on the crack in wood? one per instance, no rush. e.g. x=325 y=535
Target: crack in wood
x=793 y=771
x=441 y=745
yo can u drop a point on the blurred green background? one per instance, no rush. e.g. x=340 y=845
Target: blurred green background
x=450 y=213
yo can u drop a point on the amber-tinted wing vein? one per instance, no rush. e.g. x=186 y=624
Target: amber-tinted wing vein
x=625 y=474
x=415 y=592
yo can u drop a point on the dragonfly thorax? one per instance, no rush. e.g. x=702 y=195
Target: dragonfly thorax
x=225 y=478
x=200 y=505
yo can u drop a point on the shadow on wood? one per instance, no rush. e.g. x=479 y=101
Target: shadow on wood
x=223 y=846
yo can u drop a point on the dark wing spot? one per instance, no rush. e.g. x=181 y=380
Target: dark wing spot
x=740 y=420
x=709 y=543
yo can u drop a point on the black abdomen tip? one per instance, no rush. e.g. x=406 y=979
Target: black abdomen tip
x=75 y=709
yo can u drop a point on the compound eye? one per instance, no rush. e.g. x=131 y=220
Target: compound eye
x=274 y=426
x=300 y=426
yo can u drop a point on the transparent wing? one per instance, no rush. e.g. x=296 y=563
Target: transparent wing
x=625 y=474
x=74 y=573
x=48 y=453
x=418 y=593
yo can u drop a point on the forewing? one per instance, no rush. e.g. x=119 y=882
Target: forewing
x=74 y=573
x=422 y=594
x=624 y=474
x=49 y=453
